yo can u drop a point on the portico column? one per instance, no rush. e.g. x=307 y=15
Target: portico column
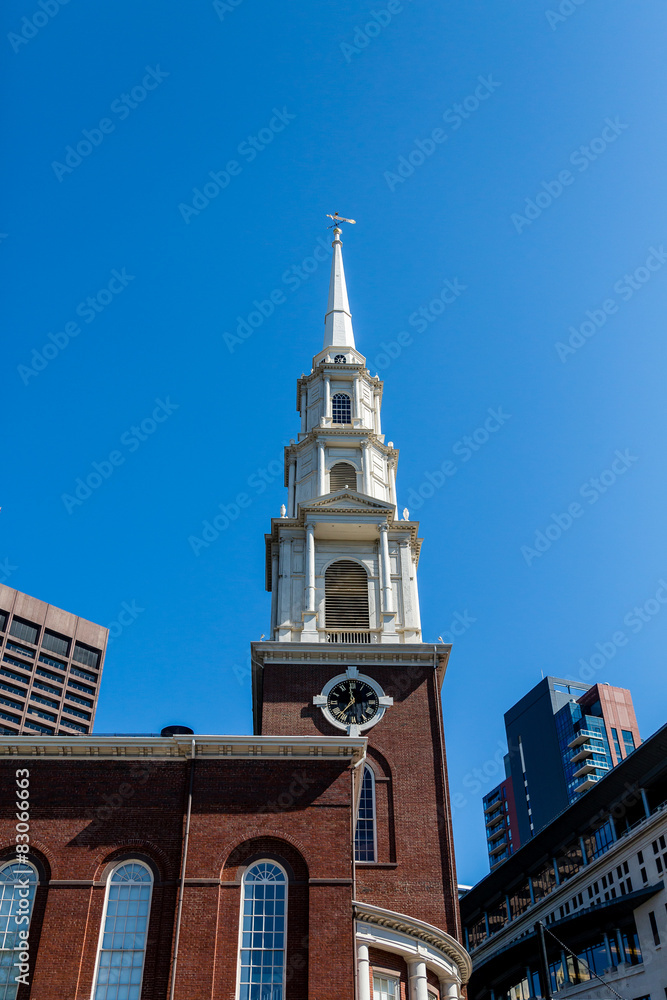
x=366 y=470
x=387 y=601
x=320 y=468
x=363 y=971
x=449 y=989
x=310 y=567
x=291 y=499
x=327 y=396
x=417 y=981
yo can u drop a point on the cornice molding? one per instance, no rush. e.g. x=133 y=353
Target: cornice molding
x=430 y=655
x=181 y=747
x=342 y=430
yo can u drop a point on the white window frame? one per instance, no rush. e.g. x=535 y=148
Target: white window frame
x=4 y=990
x=253 y=864
x=341 y=423
x=367 y=767
x=100 y=940
x=389 y=978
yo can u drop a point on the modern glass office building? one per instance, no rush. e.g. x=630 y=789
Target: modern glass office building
x=562 y=738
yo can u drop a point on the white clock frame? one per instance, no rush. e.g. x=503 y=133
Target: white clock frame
x=384 y=701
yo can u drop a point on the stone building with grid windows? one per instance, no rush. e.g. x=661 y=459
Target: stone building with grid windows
x=50 y=667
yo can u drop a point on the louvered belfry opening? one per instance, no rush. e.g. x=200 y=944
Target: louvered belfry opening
x=342 y=474
x=346 y=596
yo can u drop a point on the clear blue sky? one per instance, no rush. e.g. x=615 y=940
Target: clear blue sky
x=564 y=111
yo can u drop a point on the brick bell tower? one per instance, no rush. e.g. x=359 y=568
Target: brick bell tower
x=346 y=654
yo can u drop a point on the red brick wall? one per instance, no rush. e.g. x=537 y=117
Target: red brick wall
x=416 y=872
x=87 y=814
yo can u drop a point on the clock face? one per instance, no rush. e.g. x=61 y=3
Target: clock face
x=352 y=702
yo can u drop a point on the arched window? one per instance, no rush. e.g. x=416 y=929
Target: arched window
x=341 y=408
x=120 y=957
x=364 y=838
x=342 y=474
x=263 y=933
x=346 y=596
x=15 y=877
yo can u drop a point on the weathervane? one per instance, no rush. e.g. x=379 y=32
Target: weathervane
x=339 y=218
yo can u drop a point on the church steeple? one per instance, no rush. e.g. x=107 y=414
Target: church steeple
x=339 y=562
x=338 y=319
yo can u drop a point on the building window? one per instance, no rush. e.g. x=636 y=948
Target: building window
x=24 y=630
x=341 y=408
x=263 y=933
x=86 y=655
x=346 y=596
x=120 y=958
x=364 y=838
x=617 y=745
x=654 y=928
x=342 y=474
x=13 y=877
x=628 y=740
x=56 y=643
x=386 y=988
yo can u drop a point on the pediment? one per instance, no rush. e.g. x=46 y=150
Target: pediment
x=348 y=500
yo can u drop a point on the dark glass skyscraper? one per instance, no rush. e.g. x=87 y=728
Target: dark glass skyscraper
x=562 y=737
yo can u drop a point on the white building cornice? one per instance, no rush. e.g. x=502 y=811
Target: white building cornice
x=438 y=949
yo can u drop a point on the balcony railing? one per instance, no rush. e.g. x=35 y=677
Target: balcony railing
x=490 y=806
x=583 y=736
x=338 y=635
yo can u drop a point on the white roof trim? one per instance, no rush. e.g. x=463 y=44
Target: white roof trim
x=170 y=747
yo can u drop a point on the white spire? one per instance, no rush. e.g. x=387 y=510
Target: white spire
x=338 y=320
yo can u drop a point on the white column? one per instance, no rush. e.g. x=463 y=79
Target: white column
x=357 y=399
x=304 y=409
x=378 y=422
x=363 y=971
x=327 y=396
x=449 y=989
x=285 y=593
x=291 y=497
x=366 y=467
x=274 y=590
x=392 y=486
x=310 y=567
x=417 y=981
x=406 y=584
x=387 y=596
x=320 y=469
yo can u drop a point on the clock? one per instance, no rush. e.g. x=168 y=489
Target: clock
x=352 y=701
